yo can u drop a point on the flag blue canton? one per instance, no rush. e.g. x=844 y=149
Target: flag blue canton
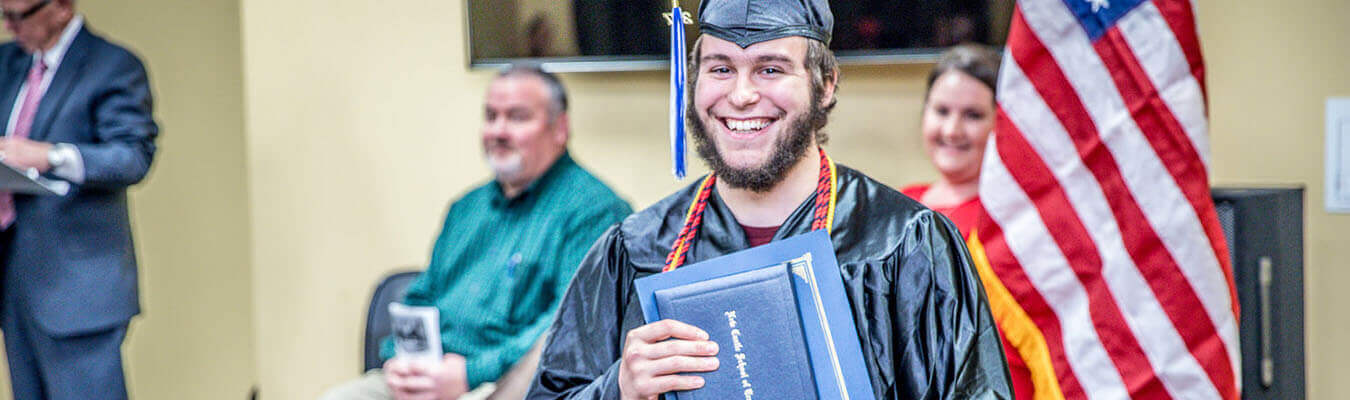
x=1098 y=16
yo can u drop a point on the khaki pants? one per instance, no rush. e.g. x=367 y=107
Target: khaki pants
x=371 y=386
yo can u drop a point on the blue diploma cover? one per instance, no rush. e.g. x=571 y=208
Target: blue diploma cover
x=779 y=315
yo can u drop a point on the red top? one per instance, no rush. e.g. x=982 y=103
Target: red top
x=966 y=215
x=757 y=235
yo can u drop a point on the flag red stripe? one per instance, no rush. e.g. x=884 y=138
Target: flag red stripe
x=1162 y=273
x=1181 y=18
x=1068 y=232
x=1004 y=264
x=1169 y=140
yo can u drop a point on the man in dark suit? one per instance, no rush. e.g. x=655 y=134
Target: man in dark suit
x=79 y=110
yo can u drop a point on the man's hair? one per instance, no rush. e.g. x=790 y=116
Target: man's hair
x=978 y=61
x=821 y=65
x=557 y=94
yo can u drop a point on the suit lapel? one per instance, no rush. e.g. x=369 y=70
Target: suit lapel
x=11 y=77
x=72 y=63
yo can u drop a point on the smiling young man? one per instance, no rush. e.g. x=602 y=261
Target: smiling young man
x=763 y=83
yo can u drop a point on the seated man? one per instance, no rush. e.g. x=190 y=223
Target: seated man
x=763 y=83
x=507 y=251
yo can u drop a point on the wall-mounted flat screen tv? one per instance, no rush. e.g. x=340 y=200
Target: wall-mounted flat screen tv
x=616 y=35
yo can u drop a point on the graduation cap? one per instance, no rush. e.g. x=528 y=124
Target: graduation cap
x=746 y=22
x=743 y=22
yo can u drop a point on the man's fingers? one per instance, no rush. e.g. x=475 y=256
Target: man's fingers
x=393 y=374
x=396 y=366
x=409 y=395
x=416 y=396
x=651 y=362
x=410 y=383
x=419 y=383
x=395 y=383
x=669 y=383
x=678 y=348
x=665 y=329
x=640 y=353
x=677 y=364
x=418 y=368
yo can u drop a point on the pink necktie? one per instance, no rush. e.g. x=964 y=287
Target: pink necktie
x=27 y=111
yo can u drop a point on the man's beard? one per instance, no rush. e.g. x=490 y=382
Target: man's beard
x=504 y=166
x=787 y=150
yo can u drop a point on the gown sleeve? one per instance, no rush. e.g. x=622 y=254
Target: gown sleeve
x=946 y=344
x=579 y=360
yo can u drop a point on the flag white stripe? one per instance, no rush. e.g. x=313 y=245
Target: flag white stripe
x=1153 y=42
x=1157 y=194
x=1052 y=276
x=1178 y=371
x=1156 y=46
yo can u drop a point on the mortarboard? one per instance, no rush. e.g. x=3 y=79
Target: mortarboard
x=746 y=22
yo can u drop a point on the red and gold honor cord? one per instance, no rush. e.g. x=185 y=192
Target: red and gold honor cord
x=822 y=218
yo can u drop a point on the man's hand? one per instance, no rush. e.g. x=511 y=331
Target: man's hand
x=446 y=380
x=23 y=153
x=650 y=363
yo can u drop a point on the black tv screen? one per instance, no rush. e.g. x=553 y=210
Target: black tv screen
x=610 y=35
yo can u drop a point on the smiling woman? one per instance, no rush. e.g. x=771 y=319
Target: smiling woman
x=958 y=115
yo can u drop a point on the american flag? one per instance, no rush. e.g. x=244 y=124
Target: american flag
x=1110 y=274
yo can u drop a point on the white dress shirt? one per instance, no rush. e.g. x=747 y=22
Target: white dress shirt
x=73 y=169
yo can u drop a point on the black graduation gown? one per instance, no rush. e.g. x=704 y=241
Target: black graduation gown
x=921 y=313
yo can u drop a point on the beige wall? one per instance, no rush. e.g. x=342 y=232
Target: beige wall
x=1271 y=67
x=194 y=338
x=295 y=172
x=360 y=127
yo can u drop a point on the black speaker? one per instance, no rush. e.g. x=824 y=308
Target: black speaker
x=1264 y=229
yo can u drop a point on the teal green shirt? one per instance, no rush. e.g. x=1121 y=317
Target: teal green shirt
x=501 y=265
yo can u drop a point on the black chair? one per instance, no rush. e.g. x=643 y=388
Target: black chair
x=1264 y=228
x=391 y=289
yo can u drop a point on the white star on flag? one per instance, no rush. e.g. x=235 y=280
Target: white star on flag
x=1098 y=5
